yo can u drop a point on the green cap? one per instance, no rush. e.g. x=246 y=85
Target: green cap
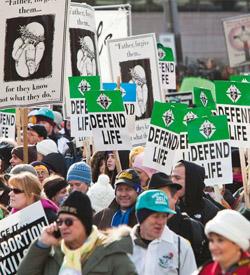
x=45 y=112
x=155 y=200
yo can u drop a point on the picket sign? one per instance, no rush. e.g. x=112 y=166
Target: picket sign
x=116 y=155
x=244 y=176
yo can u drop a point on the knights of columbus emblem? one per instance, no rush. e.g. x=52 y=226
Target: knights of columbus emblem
x=83 y=86
x=104 y=101
x=168 y=117
x=203 y=99
x=207 y=129
x=233 y=93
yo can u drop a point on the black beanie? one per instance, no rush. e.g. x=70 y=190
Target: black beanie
x=142 y=214
x=52 y=187
x=78 y=204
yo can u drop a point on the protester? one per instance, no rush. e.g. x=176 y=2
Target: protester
x=181 y=223
x=5 y=156
x=110 y=165
x=81 y=249
x=191 y=177
x=4 y=192
x=36 y=133
x=133 y=153
x=98 y=165
x=42 y=170
x=45 y=147
x=56 y=163
x=229 y=236
x=65 y=139
x=144 y=172
x=122 y=208
x=157 y=249
x=17 y=155
x=57 y=121
x=79 y=176
x=26 y=189
x=45 y=117
x=55 y=188
x=101 y=193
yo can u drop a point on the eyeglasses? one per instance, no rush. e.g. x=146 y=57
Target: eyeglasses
x=68 y=222
x=16 y=191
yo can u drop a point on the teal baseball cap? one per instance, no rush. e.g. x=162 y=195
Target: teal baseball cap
x=155 y=200
x=45 y=112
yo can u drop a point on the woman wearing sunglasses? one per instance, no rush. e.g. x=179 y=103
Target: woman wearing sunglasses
x=25 y=190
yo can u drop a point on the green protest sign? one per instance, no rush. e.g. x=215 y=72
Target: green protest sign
x=79 y=117
x=203 y=98
x=209 y=146
x=80 y=84
x=233 y=100
x=166 y=67
x=108 y=120
x=240 y=78
x=163 y=135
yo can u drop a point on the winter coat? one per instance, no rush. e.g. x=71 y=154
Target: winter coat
x=165 y=255
x=242 y=267
x=195 y=205
x=107 y=257
x=103 y=218
x=193 y=231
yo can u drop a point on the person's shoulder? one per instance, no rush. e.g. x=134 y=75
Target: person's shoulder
x=206 y=268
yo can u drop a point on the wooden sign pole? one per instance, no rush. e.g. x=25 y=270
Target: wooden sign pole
x=244 y=176
x=24 y=115
x=18 y=126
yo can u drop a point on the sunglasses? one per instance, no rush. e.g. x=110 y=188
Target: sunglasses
x=68 y=222
x=16 y=191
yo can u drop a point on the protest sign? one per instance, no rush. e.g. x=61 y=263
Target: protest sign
x=166 y=67
x=209 y=146
x=240 y=78
x=79 y=118
x=203 y=98
x=82 y=50
x=33 y=39
x=129 y=99
x=237 y=35
x=111 y=24
x=8 y=123
x=135 y=59
x=17 y=231
x=163 y=136
x=189 y=114
x=108 y=120
x=167 y=39
x=233 y=100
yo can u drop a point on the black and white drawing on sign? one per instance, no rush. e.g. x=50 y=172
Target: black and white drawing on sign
x=28 y=48
x=139 y=72
x=83 y=53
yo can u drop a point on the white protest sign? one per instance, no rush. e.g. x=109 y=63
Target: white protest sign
x=108 y=120
x=209 y=146
x=17 y=231
x=8 y=123
x=111 y=24
x=135 y=59
x=167 y=39
x=237 y=37
x=33 y=52
x=82 y=57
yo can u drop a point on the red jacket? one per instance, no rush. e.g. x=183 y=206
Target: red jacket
x=242 y=267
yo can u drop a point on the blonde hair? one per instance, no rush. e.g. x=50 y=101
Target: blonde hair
x=29 y=183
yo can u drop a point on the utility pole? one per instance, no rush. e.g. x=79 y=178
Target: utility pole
x=170 y=10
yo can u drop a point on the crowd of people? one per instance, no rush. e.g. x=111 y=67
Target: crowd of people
x=134 y=221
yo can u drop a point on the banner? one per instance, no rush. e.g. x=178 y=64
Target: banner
x=237 y=37
x=82 y=50
x=135 y=59
x=110 y=24
x=233 y=100
x=209 y=146
x=129 y=99
x=79 y=118
x=8 y=123
x=163 y=136
x=108 y=120
x=17 y=232
x=166 y=67
x=32 y=48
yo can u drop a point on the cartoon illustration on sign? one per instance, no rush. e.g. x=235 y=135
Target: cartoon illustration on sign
x=244 y=37
x=28 y=49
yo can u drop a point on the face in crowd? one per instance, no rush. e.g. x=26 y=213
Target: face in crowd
x=125 y=196
x=111 y=162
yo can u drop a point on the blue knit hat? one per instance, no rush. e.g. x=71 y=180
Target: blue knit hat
x=79 y=171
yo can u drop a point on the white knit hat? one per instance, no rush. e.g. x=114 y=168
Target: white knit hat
x=101 y=193
x=46 y=147
x=231 y=225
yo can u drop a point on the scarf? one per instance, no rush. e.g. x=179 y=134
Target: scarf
x=72 y=259
x=237 y=178
x=121 y=218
